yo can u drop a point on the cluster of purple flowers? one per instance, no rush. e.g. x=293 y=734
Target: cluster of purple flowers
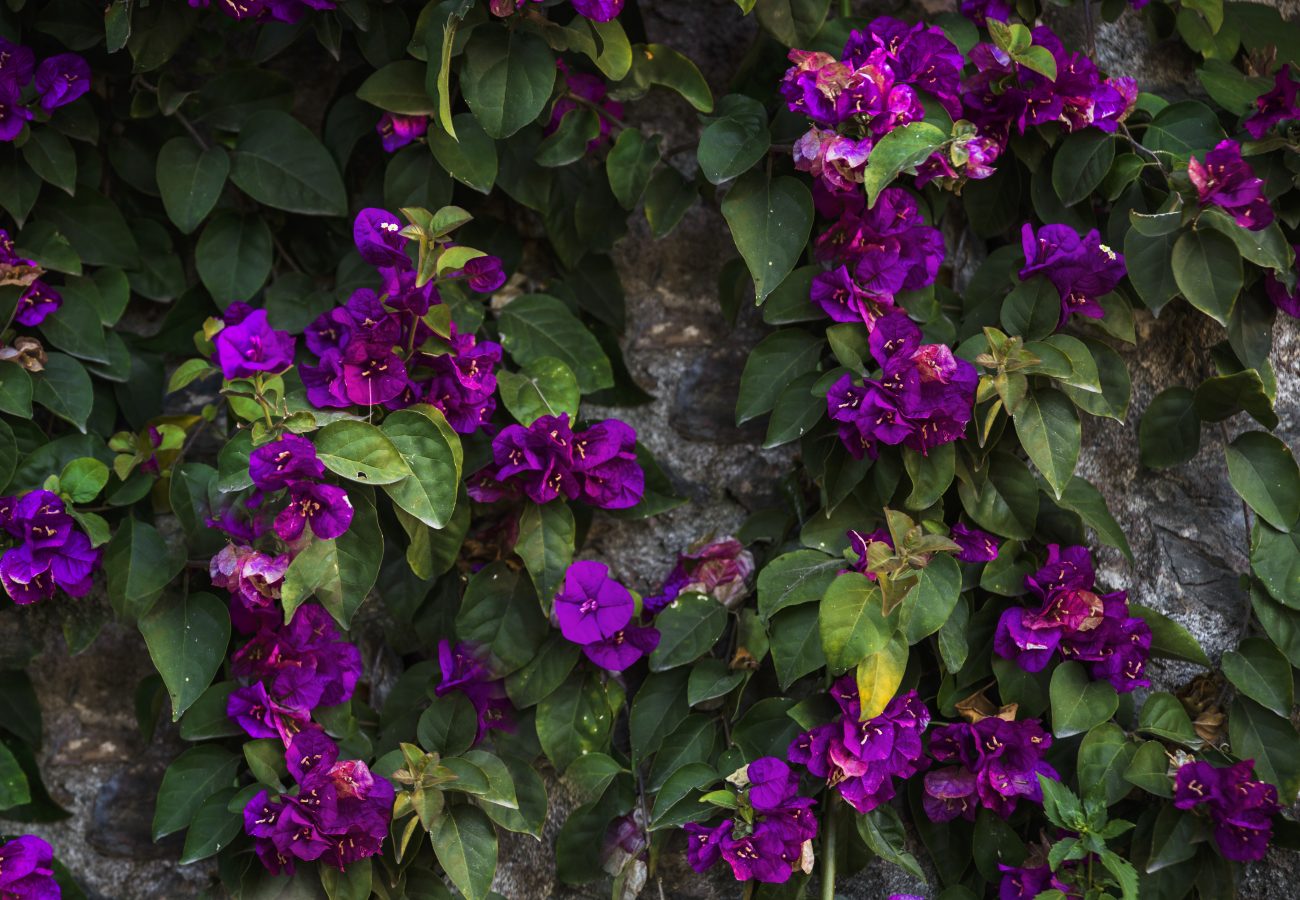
x=1027 y=882
x=596 y=10
x=991 y=763
x=862 y=759
x=580 y=87
x=254 y=580
x=289 y=11
x=293 y=668
x=1077 y=623
x=874 y=254
x=1004 y=96
x=38 y=299
x=1227 y=181
x=876 y=86
x=248 y=347
x=377 y=349
x=721 y=569
x=922 y=399
x=548 y=459
x=396 y=130
x=58 y=80
x=289 y=463
x=1241 y=807
x=27 y=870
x=1278 y=105
x=772 y=836
x=339 y=815
x=49 y=553
x=1082 y=269
x=1287 y=301
x=462 y=668
x=597 y=613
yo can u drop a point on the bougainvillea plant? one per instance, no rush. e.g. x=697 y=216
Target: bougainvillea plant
x=295 y=367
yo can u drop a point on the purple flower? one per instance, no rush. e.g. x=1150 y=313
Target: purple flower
x=1241 y=807
x=917 y=55
x=287 y=459
x=61 y=79
x=980 y=11
x=598 y=10
x=13 y=115
x=50 y=553
x=37 y=303
x=1028 y=882
x=888 y=248
x=484 y=274
x=1287 y=301
x=1280 y=104
x=464 y=381
x=324 y=507
x=462 y=668
x=16 y=66
x=623 y=648
x=253 y=580
x=579 y=86
x=1081 y=269
x=992 y=763
x=704 y=844
x=844 y=300
x=396 y=131
x=592 y=606
x=253 y=347
x=377 y=235
x=262 y=716
x=1076 y=622
x=722 y=569
x=1226 y=180
x=27 y=870
x=372 y=373
x=976 y=545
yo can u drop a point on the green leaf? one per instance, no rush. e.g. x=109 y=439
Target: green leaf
x=20 y=707
x=710 y=679
x=883 y=832
x=657 y=709
x=568 y=142
x=668 y=197
x=1282 y=625
x=138 y=564
x=1032 y=310
x=1163 y=716
x=1224 y=396
x=1170 y=431
x=354 y=883
x=64 y=388
x=879 y=676
x=187 y=638
x=233 y=256
x=1275 y=557
x=449 y=726
x=796 y=643
x=590 y=775
x=1081 y=163
x=506 y=78
x=499 y=612
x=792 y=22
x=852 y=621
x=1168 y=638
x=1260 y=671
x=206 y=717
x=931 y=474
x=431 y=451
x=778 y=360
x=1183 y=129
x=52 y=158
x=794 y=578
x=574 y=720
x=1268 y=739
x=76 y=328
x=190 y=180
x=1263 y=472
x=1049 y=430
x=928 y=605
x=545 y=387
x=629 y=165
x=544 y=673
x=537 y=326
x=770 y=221
x=466 y=846
x=899 y=150
x=677 y=801
x=1104 y=756
x=664 y=66
x=94 y=226
x=399 y=88
x=547 y=535
x=1002 y=497
x=278 y=162
x=1148 y=259
x=15 y=390
x=15 y=789
x=1082 y=498
x=530 y=796
x=735 y=140
x=192 y=777
x=1078 y=703
x=688 y=628
x=1207 y=269
x=794 y=414
x=213 y=828
x=358 y=451
x=470 y=157
x=1149 y=769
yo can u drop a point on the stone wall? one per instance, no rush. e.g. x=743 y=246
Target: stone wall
x=1185 y=525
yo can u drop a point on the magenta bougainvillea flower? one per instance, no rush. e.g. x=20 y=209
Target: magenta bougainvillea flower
x=777 y=841
x=922 y=399
x=587 y=88
x=547 y=460
x=287 y=459
x=1026 y=883
x=980 y=11
x=288 y=11
x=1275 y=106
x=1077 y=623
x=1227 y=181
x=976 y=546
x=1240 y=806
x=339 y=815
x=991 y=763
x=252 y=347
x=50 y=553
x=61 y=79
x=325 y=508
x=254 y=580
x=722 y=569
x=463 y=667
x=1287 y=301
x=1082 y=269
x=378 y=238
x=597 y=613
x=396 y=131
x=862 y=759
x=27 y=870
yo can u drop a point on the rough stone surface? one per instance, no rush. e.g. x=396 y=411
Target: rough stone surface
x=1185 y=525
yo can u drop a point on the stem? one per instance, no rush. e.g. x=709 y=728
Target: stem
x=749 y=890
x=846 y=8
x=596 y=108
x=828 y=849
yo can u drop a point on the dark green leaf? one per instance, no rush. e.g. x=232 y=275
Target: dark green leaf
x=187 y=638
x=770 y=221
x=688 y=628
x=1263 y=471
x=277 y=161
x=190 y=180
